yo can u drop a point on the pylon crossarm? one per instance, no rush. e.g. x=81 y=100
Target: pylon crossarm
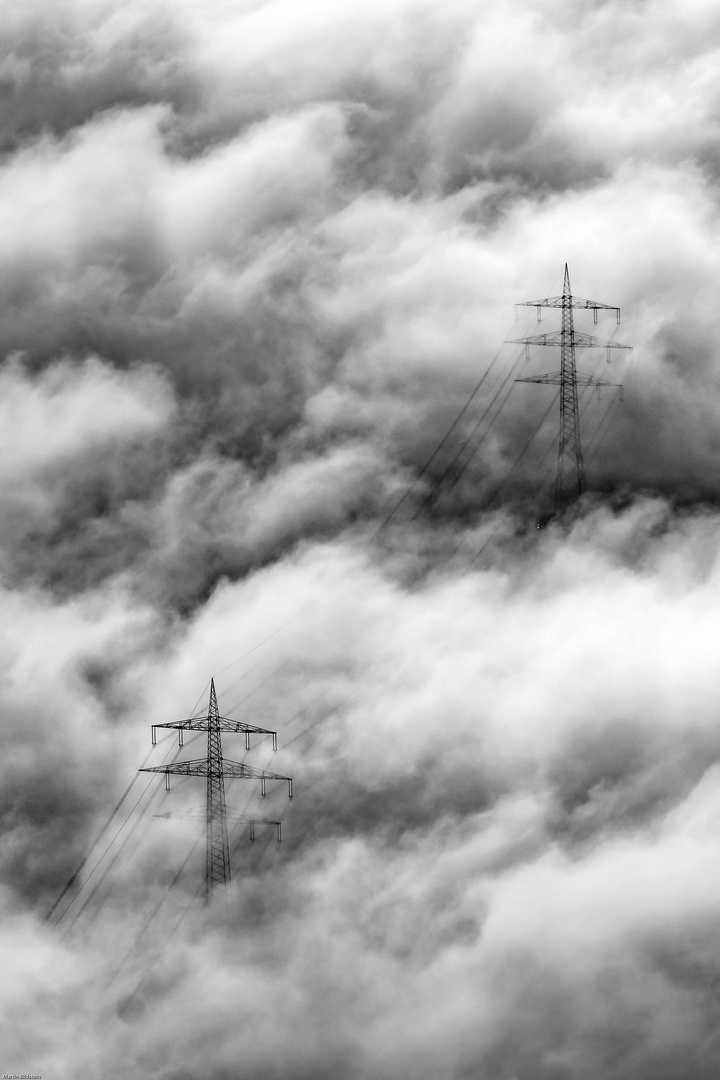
x=231 y=770
x=569 y=301
x=194 y=767
x=199 y=813
x=247 y=819
x=591 y=380
x=223 y=723
x=232 y=817
x=199 y=767
x=238 y=770
x=554 y=378
x=579 y=340
x=219 y=723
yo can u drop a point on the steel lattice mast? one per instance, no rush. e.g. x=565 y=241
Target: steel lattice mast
x=570 y=478
x=217 y=865
x=216 y=768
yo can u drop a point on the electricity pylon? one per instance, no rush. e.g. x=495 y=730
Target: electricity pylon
x=570 y=478
x=216 y=768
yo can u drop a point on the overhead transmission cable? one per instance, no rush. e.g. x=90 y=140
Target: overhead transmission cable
x=159 y=952
x=108 y=846
x=130 y=855
x=598 y=434
x=99 y=837
x=128 y=838
x=97 y=865
x=536 y=431
x=438 y=448
x=499 y=487
x=155 y=911
x=488 y=429
x=264 y=640
x=107 y=870
x=584 y=399
x=503 y=379
x=458 y=421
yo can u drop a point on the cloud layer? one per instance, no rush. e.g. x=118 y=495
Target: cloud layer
x=253 y=260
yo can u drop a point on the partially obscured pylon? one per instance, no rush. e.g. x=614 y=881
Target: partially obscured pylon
x=215 y=768
x=570 y=477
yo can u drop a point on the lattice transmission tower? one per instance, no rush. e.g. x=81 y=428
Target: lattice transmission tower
x=570 y=477
x=216 y=769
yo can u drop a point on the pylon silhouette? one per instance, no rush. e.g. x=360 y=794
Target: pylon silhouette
x=570 y=477
x=216 y=768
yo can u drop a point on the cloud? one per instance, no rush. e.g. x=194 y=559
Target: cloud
x=500 y=851
x=253 y=260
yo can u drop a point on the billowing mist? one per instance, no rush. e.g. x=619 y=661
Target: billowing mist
x=255 y=258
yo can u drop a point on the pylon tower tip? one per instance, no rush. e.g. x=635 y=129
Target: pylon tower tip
x=213 y=705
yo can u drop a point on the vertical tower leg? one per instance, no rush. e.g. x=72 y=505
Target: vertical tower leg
x=217 y=866
x=570 y=478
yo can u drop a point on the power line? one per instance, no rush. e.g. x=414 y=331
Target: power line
x=99 y=861
x=100 y=882
x=605 y=421
x=438 y=448
x=508 y=370
x=159 y=953
x=154 y=912
x=264 y=640
x=456 y=479
x=108 y=846
x=97 y=839
x=525 y=448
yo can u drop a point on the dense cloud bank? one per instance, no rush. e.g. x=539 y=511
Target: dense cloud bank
x=502 y=854
x=254 y=257
x=312 y=222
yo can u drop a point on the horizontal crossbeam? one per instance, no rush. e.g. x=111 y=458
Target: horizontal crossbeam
x=579 y=340
x=569 y=301
x=236 y=817
x=221 y=723
x=554 y=378
x=232 y=770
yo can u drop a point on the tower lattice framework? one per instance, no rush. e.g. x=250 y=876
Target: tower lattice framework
x=570 y=476
x=215 y=768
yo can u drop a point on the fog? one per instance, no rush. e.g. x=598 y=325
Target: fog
x=254 y=259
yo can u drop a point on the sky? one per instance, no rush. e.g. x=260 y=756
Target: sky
x=255 y=257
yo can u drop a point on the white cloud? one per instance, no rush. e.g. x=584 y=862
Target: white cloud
x=254 y=257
